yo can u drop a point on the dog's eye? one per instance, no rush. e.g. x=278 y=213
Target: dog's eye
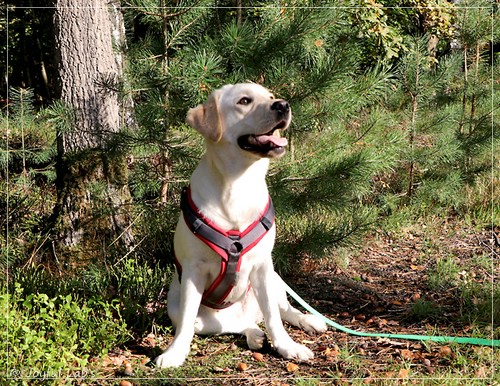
x=244 y=101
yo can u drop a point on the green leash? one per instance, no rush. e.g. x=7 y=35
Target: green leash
x=441 y=339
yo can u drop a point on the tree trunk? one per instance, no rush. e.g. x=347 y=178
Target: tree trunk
x=239 y=17
x=464 y=98
x=92 y=177
x=432 y=48
x=411 y=172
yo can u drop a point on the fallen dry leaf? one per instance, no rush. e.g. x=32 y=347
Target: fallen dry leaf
x=481 y=372
x=218 y=369
x=291 y=367
x=381 y=322
x=128 y=370
x=241 y=366
x=403 y=373
x=415 y=297
x=371 y=320
x=149 y=341
x=430 y=369
x=444 y=352
x=258 y=356
x=406 y=354
x=391 y=342
x=331 y=352
x=107 y=361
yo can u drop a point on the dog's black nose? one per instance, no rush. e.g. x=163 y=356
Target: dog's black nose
x=281 y=106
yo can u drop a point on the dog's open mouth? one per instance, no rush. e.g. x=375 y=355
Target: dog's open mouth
x=267 y=144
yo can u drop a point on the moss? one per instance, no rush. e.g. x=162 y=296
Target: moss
x=92 y=203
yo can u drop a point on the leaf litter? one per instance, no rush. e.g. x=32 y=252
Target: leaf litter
x=375 y=293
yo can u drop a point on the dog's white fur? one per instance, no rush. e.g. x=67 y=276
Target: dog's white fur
x=229 y=188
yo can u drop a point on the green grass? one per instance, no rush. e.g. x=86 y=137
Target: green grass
x=445 y=274
x=423 y=309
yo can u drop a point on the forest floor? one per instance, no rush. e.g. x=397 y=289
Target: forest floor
x=418 y=281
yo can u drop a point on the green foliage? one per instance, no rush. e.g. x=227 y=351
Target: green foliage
x=445 y=274
x=448 y=139
x=424 y=310
x=27 y=157
x=135 y=286
x=28 y=144
x=138 y=286
x=371 y=138
x=42 y=334
x=372 y=22
x=474 y=22
x=303 y=55
x=60 y=116
x=479 y=301
x=437 y=16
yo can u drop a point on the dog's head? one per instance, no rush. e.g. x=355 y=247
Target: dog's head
x=246 y=116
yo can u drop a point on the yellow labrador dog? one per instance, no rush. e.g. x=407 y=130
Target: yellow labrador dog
x=225 y=282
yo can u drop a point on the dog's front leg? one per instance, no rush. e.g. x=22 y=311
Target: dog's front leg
x=266 y=287
x=192 y=287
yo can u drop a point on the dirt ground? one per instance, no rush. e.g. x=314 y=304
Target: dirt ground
x=384 y=287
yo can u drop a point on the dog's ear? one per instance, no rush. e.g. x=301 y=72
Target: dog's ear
x=205 y=118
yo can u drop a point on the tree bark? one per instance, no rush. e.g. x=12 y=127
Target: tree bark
x=411 y=172
x=92 y=177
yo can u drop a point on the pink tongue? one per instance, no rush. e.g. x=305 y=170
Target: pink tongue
x=277 y=141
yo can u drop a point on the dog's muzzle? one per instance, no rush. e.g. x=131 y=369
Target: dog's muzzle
x=269 y=144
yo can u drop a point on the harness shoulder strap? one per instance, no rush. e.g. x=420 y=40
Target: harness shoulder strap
x=200 y=227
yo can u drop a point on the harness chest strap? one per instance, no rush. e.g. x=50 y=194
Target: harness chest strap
x=229 y=245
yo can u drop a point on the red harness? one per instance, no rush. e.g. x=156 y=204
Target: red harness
x=229 y=245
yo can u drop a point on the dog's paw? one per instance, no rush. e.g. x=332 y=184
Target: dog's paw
x=312 y=324
x=169 y=359
x=295 y=351
x=255 y=338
